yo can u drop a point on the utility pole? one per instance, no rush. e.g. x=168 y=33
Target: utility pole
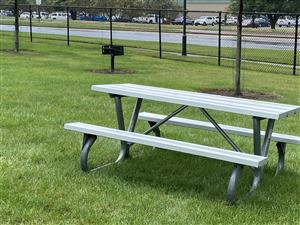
x=238 y=60
x=16 y=9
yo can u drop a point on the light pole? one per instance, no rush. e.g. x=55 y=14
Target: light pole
x=184 y=29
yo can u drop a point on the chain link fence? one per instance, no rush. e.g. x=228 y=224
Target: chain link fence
x=270 y=41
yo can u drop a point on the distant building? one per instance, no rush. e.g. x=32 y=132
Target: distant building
x=205 y=5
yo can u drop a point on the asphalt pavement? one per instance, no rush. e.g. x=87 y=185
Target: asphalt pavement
x=196 y=39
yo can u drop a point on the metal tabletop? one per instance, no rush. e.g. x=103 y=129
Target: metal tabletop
x=268 y=110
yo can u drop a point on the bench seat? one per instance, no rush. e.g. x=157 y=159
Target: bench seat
x=173 y=145
x=153 y=117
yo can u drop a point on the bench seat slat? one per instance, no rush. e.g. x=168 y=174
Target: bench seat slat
x=208 y=126
x=174 y=145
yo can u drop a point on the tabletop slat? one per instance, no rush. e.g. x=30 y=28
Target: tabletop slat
x=256 y=108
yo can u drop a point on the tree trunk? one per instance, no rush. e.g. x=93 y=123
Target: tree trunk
x=238 y=51
x=273 y=20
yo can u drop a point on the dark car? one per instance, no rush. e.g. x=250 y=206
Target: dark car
x=93 y=18
x=258 y=22
x=179 y=21
x=124 y=19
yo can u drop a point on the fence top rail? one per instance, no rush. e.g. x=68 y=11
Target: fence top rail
x=155 y=9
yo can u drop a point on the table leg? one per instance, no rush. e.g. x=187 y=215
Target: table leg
x=281 y=152
x=125 y=146
x=259 y=149
x=88 y=141
x=232 y=184
x=124 y=152
x=135 y=114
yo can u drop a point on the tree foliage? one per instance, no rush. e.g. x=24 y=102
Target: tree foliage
x=158 y=4
x=272 y=6
x=276 y=6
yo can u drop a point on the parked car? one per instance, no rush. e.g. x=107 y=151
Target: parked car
x=206 y=20
x=258 y=22
x=153 y=18
x=286 y=21
x=124 y=19
x=6 y=13
x=2 y=12
x=58 y=16
x=93 y=18
x=25 y=15
x=179 y=21
x=140 y=19
x=41 y=15
x=231 y=20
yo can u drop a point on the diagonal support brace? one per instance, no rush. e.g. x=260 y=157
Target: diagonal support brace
x=220 y=130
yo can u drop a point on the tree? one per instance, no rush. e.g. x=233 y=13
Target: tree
x=272 y=6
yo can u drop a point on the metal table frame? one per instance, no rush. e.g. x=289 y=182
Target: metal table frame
x=259 y=149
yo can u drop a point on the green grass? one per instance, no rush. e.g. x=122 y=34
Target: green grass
x=41 y=182
x=169 y=49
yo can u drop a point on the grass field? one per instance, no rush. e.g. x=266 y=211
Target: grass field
x=200 y=53
x=48 y=84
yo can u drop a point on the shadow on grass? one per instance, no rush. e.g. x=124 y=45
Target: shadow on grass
x=196 y=177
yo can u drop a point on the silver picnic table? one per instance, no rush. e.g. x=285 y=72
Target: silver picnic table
x=258 y=110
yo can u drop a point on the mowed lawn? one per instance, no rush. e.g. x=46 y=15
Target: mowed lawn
x=48 y=84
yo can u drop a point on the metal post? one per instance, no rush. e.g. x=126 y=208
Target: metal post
x=112 y=56
x=267 y=139
x=159 y=33
x=219 y=41
x=296 y=43
x=68 y=26
x=257 y=136
x=30 y=22
x=124 y=152
x=39 y=13
x=16 y=8
x=238 y=60
x=184 y=30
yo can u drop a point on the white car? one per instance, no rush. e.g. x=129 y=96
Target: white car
x=58 y=16
x=231 y=20
x=25 y=15
x=206 y=20
x=140 y=19
x=153 y=18
x=286 y=21
x=41 y=15
x=2 y=13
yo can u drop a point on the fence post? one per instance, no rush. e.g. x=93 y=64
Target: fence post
x=112 y=56
x=219 y=41
x=17 y=40
x=238 y=59
x=30 y=22
x=68 y=26
x=296 y=43
x=159 y=33
x=184 y=30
